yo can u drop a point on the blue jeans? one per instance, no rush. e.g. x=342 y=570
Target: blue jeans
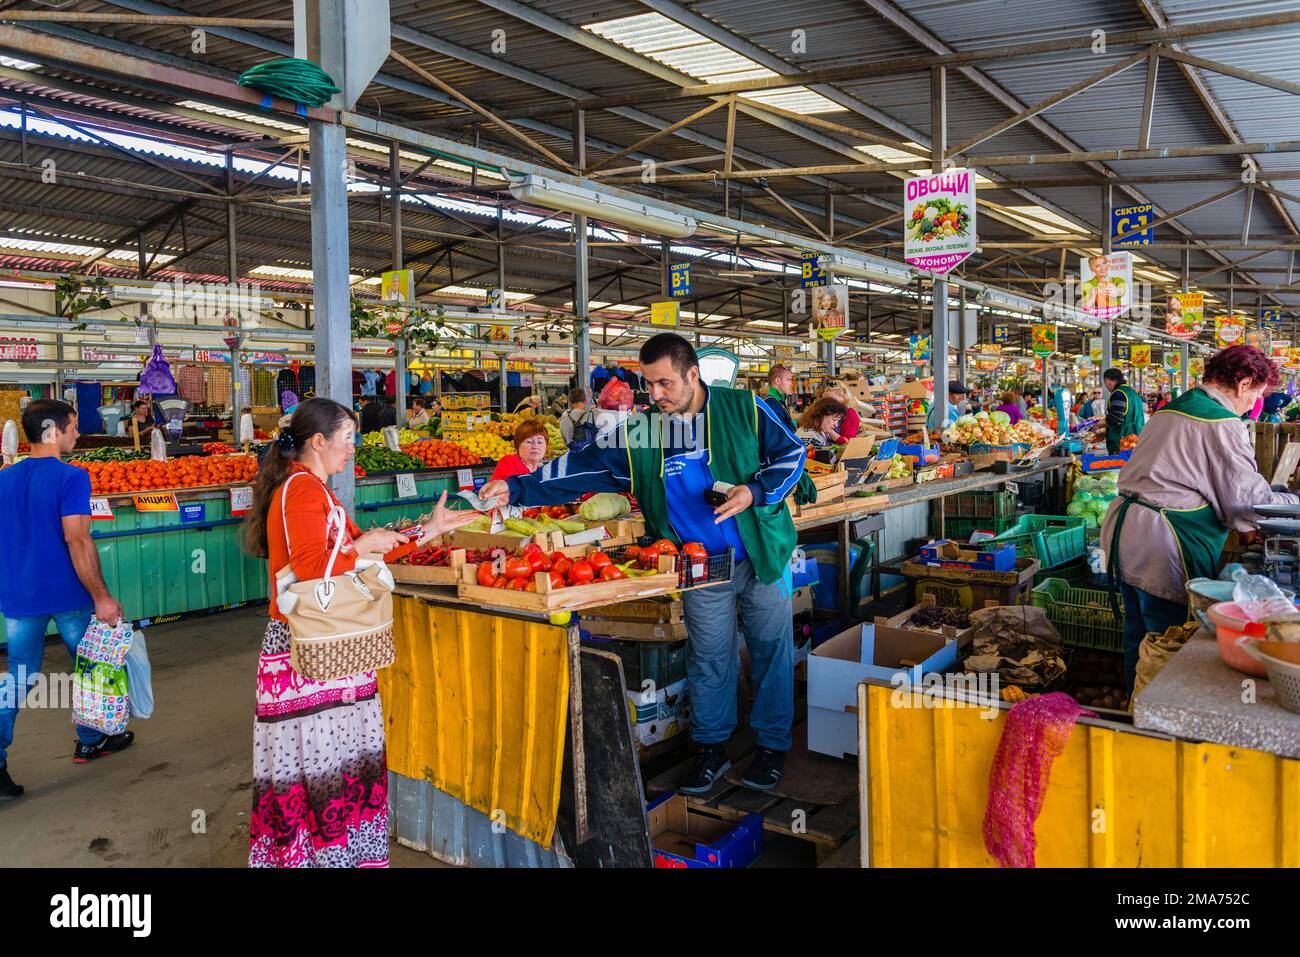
x=26 y=637
x=713 y=667
x=1145 y=612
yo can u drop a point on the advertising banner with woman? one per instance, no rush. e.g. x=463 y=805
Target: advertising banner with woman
x=1106 y=286
x=1184 y=314
x=830 y=310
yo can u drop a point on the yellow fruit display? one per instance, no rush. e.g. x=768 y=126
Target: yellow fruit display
x=481 y=443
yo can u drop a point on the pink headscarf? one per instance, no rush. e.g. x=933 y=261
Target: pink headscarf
x=616 y=396
x=1257 y=409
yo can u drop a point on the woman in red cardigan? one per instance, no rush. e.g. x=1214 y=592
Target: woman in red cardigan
x=531 y=444
x=320 y=774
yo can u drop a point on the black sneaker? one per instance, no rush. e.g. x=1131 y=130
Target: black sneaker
x=764 y=772
x=710 y=764
x=8 y=789
x=108 y=744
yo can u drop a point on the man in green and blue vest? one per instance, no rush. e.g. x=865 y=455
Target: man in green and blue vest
x=1125 y=411
x=697 y=438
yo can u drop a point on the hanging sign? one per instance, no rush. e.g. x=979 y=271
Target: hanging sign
x=1042 y=338
x=20 y=350
x=1001 y=333
x=241 y=500
x=1094 y=349
x=1126 y=218
x=679 y=280
x=1083 y=364
x=1123 y=352
x=156 y=502
x=919 y=349
x=1184 y=314
x=1173 y=359
x=1196 y=366
x=1140 y=357
x=1270 y=319
x=1229 y=330
x=811 y=274
x=830 y=311
x=664 y=313
x=939 y=219
x=397 y=285
x=1106 y=287
x=100 y=510
x=1257 y=338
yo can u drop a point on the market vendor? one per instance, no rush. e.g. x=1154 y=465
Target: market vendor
x=1125 y=410
x=851 y=424
x=780 y=386
x=957 y=393
x=693 y=437
x=1011 y=407
x=820 y=423
x=142 y=419
x=1192 y=477
x=531 y=443
x=419 y=416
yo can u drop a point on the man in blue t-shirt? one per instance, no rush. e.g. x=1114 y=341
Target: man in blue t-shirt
x=49 y=568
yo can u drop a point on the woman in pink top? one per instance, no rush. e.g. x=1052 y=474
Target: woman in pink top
x=852 y=422
x=1010 y=407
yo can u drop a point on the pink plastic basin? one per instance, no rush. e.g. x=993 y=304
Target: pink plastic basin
x=1229 y=625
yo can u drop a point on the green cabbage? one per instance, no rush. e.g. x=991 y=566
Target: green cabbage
x=1000 y=418
x=966 y=419
x=604 y=506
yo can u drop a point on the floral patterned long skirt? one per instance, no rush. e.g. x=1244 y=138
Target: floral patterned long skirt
x=320 y=772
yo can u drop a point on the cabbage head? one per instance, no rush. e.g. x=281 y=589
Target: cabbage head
x=1000 y=418
x=604 y=506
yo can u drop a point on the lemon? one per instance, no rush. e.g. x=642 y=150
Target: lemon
x=561 y=618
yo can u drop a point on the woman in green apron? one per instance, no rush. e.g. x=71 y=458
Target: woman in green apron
x=1125 y=412
x=1191 y=478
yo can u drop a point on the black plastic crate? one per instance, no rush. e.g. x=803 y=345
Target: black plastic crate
x=721 y=567
x=662 y=662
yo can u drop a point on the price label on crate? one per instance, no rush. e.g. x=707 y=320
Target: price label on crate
x=464 y=479
x=406 y=486
x=241 y=500
x=100 y=510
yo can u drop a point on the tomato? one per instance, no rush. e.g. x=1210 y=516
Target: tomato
x=611 y=573
x=532 y=512
x=535 y=559
x=558 y=580
x=517 y=567
x=695 y=552
x=665 y=547
x=581 y=573
x=518 y=584
x=500 y=582
x=650 y=556
x=631 y=553
x=486 y=578
x=531 y=548
x=531 y=586
x=599 y=560
x=562 y=564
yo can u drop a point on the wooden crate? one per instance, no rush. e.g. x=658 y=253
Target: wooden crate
x=430 y=574
x=635 y=630
x=652 y=610
x=547 y=599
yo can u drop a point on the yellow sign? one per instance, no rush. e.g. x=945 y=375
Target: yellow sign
x=1196 y=366
x=398 y=285
x=1094 y=349
x=663 y=313
x=1140 y=358
x=499 y=334
x=156 y=502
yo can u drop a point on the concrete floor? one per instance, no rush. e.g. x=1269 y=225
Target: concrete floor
x=138 y=808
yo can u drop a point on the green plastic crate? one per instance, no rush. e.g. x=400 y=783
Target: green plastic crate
x=960 y=529
x=981 y=504
x=1052 y=539
x=1076 y=573
x=1083 y=616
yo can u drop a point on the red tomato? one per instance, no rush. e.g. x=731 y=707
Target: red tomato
x=562 y=564
x=485 y=576
x=531 y=586
x=517 y=567
x=650 y=556
x=535 y=559
x=517 y=584
x=665 y=547
x=632 y=553
x=532 y=512
x=695 y=552
x=558 y=580
x=581 y=573
x=500 y=582
x=611 y=573
x=532 y=548
x=599 y=560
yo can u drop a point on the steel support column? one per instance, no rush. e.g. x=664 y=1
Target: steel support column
x=939 y=301
x=400 y=346
x=329 y=230
x=581 y=272
x=1107 y=327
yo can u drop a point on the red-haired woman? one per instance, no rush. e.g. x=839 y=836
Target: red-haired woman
x=531 y=444
x=1192 y=477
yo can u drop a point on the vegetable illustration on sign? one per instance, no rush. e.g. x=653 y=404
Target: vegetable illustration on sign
x=1229 y=330
x=1184 y=314
x=939 y=220
x=1043 y=338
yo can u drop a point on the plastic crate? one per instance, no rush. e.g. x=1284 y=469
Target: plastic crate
x=662 y=662
x=1083 y=616
x=982 y=504
x=1076 y=573
x=721 y=566
x=961 y=528
x=1052 y=539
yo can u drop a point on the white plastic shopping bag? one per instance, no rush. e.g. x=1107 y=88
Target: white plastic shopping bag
x=139 y=677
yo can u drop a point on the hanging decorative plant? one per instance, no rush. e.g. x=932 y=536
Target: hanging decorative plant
x=366 y=324
x=76 y=295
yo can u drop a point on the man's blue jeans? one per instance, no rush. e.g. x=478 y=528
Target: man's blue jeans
x=26 y=648
x=713 y=666
x=1145 y=612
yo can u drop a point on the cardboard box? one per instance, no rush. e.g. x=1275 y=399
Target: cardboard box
x=801 y=599
x=901 y=620
x=916 y=390
x=837 y=666
x=659 y=713
x=946 y=553
x=684 y=838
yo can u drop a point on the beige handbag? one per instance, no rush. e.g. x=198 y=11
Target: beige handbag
x=340 y=625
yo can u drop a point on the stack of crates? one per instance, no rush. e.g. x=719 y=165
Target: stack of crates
x=1055 y=540
x=993 y=511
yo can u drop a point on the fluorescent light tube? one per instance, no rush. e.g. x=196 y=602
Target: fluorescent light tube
x=585 y=201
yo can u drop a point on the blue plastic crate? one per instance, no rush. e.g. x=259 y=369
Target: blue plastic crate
x=1103 y=461
x=999 y=559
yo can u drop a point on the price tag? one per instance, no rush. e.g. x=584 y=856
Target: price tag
x=241 y=500
x=465 y=479
x=406 y=486
x=100 y=510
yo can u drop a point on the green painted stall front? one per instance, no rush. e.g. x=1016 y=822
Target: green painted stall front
x=159 y=566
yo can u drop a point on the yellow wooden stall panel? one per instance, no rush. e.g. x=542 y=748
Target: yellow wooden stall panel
x=1116 y=798
x=476 y=704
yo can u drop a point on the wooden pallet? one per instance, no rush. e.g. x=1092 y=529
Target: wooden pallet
x=790 y=810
